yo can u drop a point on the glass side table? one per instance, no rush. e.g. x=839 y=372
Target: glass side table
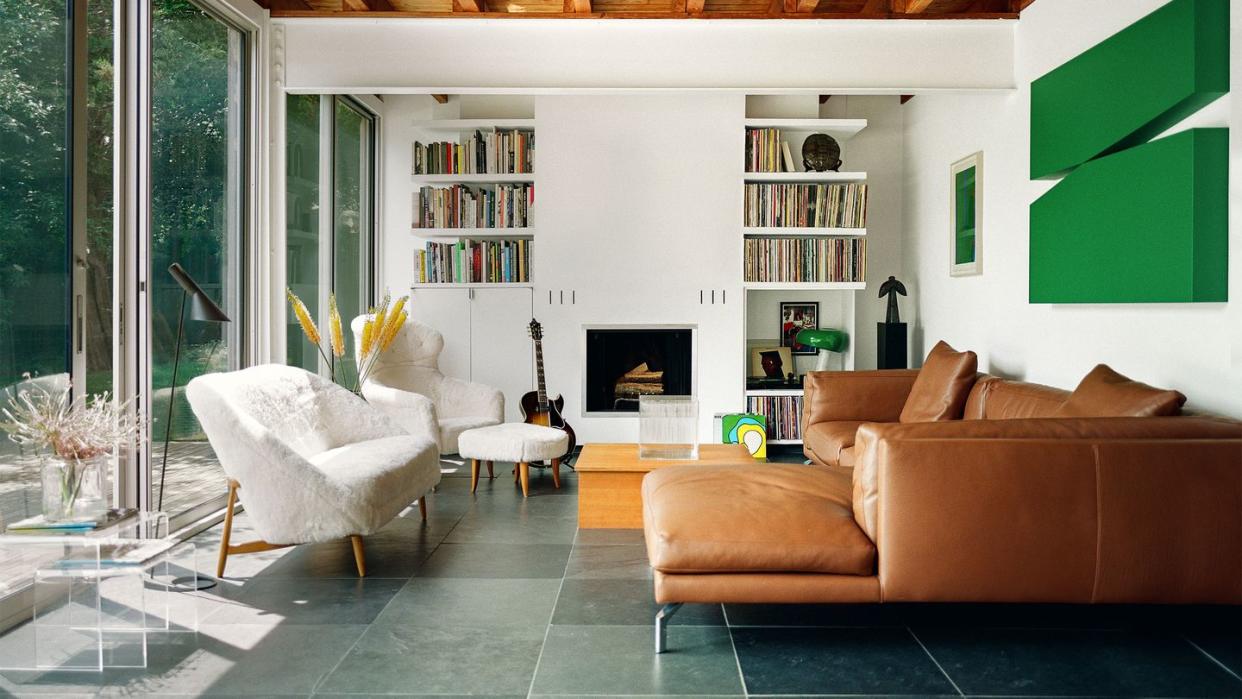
x=97 y=594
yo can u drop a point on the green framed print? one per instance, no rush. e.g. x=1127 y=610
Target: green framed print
x=966 y=216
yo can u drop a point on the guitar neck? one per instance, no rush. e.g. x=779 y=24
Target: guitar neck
x=543 y=391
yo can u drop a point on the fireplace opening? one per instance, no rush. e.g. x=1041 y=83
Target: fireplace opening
x=625 y=363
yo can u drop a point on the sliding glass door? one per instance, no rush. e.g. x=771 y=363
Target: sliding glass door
x=36 y=237
x=330 y=172
x=198 y=189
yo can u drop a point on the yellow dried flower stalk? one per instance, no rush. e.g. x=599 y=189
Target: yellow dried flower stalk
x=393 y=328
x=338 y=335
x=304 y=318
x=368 y=339
x=380 y=315
x=392 y=317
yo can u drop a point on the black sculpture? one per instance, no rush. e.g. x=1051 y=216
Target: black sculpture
x=820 y=153
x=891 y=288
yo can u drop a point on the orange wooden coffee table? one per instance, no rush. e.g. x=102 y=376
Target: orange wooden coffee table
x=610 y=480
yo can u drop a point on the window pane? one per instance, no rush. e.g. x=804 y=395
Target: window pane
x=352 y=222
x=35 y=241
x=302 y=221
x=97 y=296
x=196 y=220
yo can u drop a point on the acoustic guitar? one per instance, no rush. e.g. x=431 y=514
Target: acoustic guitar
x=536 y=408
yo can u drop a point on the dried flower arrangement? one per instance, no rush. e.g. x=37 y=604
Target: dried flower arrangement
x=378 y=332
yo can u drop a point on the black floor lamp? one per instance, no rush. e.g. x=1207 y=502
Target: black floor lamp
x=201 y=308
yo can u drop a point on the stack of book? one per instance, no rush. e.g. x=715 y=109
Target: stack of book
x=42 y=525
x=765 y=151
x=502 y=206
x=493 y=153
x=783 y=413
x=474 y=262
x=805 y=259
x=806 y=205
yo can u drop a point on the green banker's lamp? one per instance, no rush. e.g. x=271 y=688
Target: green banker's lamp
x=823 y=339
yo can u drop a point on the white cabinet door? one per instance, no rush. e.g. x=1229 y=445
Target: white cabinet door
x=501 y=352
x=448 y=311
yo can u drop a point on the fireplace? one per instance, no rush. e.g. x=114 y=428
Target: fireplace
x=625 y=363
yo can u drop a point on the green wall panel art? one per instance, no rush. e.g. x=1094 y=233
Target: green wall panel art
x=1147 y=224
x=1130 y=87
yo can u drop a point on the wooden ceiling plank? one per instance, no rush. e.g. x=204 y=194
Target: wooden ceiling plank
x=694 y=7
x=442 y=99
x=467 y=6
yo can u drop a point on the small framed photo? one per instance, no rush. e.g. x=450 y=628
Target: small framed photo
x=966 y=216
x=795 y=316
x=771 y=362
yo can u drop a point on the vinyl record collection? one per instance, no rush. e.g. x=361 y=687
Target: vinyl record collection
x=783 y=413
x=763 y=150
x=474 y=262
x=492 y=153
x=806 y=205
x=459 y=206
x=805 y=259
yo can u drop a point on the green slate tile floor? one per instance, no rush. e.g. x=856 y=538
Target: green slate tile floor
x=502 y=596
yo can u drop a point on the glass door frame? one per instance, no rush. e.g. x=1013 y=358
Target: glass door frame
x=136 y=479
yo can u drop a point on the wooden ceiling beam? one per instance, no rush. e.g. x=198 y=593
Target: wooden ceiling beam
x=693 y=7
x=366 y=6
x=577 y=6
x=800 y=6
x=775 y=10
x=910 y=7
x=472 y=6
x=442 y=99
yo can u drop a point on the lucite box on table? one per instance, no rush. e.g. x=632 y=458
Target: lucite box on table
x=97 y=595
x=668 y=427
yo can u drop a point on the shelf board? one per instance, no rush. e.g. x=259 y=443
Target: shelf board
x=784 y=231
x=784 y=441
x=840 y=129
x=474 y=179
x=810 y=177
x=806 y=286
x=769 y=392
x=473 y=285
x=480 y=233
x=471 y=125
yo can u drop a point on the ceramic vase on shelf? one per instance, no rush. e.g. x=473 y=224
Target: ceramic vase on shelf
x=74 y=489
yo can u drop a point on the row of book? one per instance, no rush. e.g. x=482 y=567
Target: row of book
x=474 y=261
x=459 y=206
x=492 y=153
x=782 y=413
x=806 y=205
x=766 y=152
x=805 y=259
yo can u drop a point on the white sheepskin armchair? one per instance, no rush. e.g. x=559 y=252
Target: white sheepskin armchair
x=310 y=460
x=406 y=383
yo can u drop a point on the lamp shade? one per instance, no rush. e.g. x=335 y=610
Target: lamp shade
x=201 y=305
x=821 y=338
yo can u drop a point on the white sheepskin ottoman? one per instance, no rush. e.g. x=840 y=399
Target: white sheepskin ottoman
x=516 y=442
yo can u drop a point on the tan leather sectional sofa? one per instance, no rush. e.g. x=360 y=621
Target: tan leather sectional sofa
x=1011 y=499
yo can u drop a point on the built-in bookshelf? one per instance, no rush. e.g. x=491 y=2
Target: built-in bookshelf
x=803 y=233
x=473 y=202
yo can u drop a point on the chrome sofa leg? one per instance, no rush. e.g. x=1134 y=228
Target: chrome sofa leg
x=661 y=625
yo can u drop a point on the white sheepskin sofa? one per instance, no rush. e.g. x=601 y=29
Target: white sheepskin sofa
x=314 y=461
x=407 y=384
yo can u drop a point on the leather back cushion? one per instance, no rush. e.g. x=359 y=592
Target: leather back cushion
x=944 y=382
x=994 y=398
x=1105 y=393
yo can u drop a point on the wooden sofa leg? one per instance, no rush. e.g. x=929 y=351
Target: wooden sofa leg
x=490 y=473
x=556 y=473
x=524 y=472
x=422 y=507
x=474 y=475
x=360 y=558
x=228 y=529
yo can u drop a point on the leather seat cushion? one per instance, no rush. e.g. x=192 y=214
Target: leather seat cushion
x=1105 y=393
x=753 y=518
x=827 y=440
x=940 y=391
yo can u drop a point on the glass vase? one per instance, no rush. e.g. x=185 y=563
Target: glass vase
x=74 y=490
x=668 y=427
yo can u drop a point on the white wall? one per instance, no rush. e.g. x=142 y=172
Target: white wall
x=1196 y=348
x=464 y=55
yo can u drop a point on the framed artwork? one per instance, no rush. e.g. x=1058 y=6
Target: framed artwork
x=966 y=216
x=795 y=316
x=771 y=362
